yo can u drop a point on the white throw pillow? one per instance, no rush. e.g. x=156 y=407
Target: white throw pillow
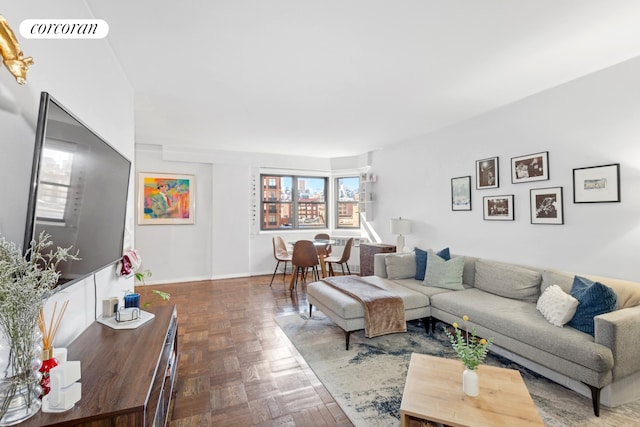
x=557 y=306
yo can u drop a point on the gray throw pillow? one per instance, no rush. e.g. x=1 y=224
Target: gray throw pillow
x=444 y=274
x=400 y=266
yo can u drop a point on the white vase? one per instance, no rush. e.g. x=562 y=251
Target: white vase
x=470 y=385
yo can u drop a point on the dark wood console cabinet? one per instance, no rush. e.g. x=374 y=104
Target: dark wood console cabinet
x=367 y=251
x=127 y=375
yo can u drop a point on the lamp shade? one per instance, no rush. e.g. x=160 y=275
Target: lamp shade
x=400 y=226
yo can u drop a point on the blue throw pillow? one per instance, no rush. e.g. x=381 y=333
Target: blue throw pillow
x=421 y=261
x=594 y=298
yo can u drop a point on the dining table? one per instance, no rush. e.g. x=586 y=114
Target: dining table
x=320 y=245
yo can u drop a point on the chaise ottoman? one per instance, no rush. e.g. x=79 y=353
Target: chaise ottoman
x=348 y=313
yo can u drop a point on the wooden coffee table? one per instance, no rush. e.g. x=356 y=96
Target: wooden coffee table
x=433 y=392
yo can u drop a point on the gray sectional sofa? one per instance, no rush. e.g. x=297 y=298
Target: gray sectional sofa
x=500 y=300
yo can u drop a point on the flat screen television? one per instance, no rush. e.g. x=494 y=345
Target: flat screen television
x=78 y=192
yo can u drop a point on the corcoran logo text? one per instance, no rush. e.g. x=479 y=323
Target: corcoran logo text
x=64 y=29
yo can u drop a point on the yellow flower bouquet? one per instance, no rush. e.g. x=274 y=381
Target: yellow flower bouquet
x=471 y=349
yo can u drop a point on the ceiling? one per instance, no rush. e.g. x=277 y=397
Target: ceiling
x=333 y=78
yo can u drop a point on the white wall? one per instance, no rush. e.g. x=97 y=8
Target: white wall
x=16 y=154
x=176 y=253
x=84 y=76
x=588 y=122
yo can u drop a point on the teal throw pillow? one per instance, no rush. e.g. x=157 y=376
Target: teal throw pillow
x=594 y=298
x=421 y=261
x=443 y=273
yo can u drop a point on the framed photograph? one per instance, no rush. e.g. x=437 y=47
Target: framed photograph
x=532 y=167
x=166 y=198
x=487 y=173
x=498 y=208
x=546 y=206
x=597 y=184
x=461 y=193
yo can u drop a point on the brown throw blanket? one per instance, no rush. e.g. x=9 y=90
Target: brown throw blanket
x=383 y=311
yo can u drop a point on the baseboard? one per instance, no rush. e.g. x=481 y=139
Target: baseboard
x=175 y=280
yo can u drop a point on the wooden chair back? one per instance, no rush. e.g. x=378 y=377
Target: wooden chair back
x=346 y=254
x=305 y=254
x=326 y=249
x=342 y=260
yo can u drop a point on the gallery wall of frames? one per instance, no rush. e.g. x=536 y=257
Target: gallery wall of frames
x=591 y=184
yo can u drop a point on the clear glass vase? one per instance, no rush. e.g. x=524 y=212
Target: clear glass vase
x=19 y=378
x=470 y=385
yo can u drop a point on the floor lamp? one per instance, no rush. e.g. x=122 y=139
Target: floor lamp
x=400 y=227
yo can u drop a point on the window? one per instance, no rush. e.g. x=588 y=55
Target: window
x=55 y=185
x=294 y=202
x=347 y=192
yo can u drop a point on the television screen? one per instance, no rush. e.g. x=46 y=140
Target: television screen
x=79 y=191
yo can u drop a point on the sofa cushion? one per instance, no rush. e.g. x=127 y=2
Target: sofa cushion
x=594 y=298
x=443 y=273
x=421 y=261
x=556 y=305
x=469 y=271
x=556 y=277
x=401 y=266
x=508 y=280
x=418 y=286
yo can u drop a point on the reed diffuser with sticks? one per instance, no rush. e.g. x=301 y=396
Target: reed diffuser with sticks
x=48 y=334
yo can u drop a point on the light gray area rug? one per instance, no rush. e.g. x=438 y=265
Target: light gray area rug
x=367 y=381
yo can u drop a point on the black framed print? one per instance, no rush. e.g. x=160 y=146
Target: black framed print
x=546 y=206
x=498 y=208
x=487 y=173
x=532 y=167
x=597 y=184
x=461 y=193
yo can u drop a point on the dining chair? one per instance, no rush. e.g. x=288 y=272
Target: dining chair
x=305 y=256
x=326 y=248
x=342 y=259
x=281 y=254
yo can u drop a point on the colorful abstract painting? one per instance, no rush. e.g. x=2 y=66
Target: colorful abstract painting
x=166 y=199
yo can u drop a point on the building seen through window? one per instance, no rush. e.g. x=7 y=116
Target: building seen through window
x=293 y=202
x=348 y=212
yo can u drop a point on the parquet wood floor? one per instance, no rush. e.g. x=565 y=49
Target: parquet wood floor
x=237 y=368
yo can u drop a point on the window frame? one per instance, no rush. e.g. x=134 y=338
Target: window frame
x=355 y=202
x=294 y=203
